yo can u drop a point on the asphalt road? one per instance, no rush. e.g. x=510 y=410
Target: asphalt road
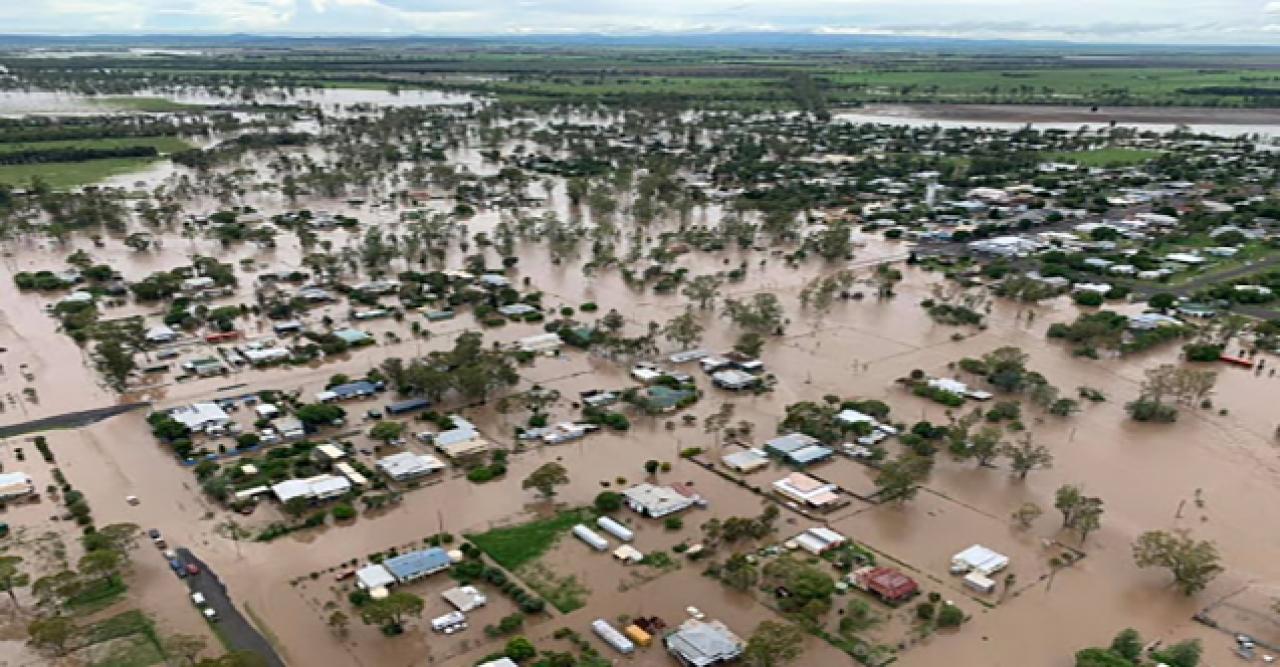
x=232 y=625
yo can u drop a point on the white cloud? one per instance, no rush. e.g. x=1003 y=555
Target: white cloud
x=1207 y=21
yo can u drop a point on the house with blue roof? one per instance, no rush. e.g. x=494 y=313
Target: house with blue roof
x=417 y=564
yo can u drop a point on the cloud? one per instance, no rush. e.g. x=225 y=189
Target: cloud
x=1201 y=21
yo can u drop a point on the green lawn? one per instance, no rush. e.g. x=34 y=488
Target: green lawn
x=513 y=546
x=61 y=175
x=1105 y=157
x=161 y=144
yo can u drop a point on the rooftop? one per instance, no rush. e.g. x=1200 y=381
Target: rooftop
x=701 y=643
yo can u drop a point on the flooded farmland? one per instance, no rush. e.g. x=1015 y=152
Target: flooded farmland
x=1207 y=473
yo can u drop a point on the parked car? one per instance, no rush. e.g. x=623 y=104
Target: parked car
x=176 y=566
x=156 y=538
x=193 y=569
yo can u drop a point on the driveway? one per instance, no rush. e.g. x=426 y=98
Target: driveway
x=232 y=625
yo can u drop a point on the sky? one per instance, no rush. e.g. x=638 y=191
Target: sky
x=1114 y=21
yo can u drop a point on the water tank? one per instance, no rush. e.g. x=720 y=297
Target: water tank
x=615 y=529
x=612 y=637
x=591 y=538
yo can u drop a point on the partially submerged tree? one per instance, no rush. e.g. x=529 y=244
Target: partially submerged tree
x=1193 y=563
x=546 y=478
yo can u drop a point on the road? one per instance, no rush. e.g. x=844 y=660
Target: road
x=232 y=625
x=69 y=420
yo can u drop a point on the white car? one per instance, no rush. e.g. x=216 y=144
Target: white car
x=695 y=613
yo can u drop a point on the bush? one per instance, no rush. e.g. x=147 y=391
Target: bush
x=1091 y=299
x=1202 y=351
x=950 y=616
x=1147 y=410
x=673 y=523
x=608 y=501
x=344 y=512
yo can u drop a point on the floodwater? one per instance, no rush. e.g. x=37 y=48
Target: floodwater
x=1148 y=475
x=52 y=103
x=1221 y=122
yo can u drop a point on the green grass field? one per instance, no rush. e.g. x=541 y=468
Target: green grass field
x=161 y=144
x=61 y=175
x=1105 y=157
x=514 y=546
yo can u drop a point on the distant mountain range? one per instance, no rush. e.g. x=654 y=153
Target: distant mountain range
x=712 y=40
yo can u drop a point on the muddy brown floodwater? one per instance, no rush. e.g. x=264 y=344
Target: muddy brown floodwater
x=1148 y=475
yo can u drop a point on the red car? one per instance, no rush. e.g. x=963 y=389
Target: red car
x=193 y=569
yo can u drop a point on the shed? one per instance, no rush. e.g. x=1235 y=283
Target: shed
x=465 y=598
x=791 y=442
x=703 y=643
x=747 y=460
x=819 y=540
x=406 y=406
x=374 y=576
x=978 y=558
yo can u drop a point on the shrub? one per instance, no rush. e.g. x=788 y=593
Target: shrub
x=344 y=512
x=608 y=501
x=673 y=523
x=950 y=616
x=1202 y=351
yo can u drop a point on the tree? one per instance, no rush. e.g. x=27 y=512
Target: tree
x=773 y=644
x=1088 y=516
x=984 y=446
x=12 y=577
x=1027 y=456
x=762 y=314
x=1183 y=654
x=739 y=572
x=520 y=649
x=52 y=632
x=1066 y=500
x=338 y=622
x=749 y=343
x=683 y=330
x=1127 y=644
x=187 y=647
x=703 y=290
x=1026 y=514
x=1193 y=563
x=1100 y=657
x=899 y=479
x=389 y=613
x=103 y=564
x=387 y=431
x=651 y=467
x=1162 y=301
x=115 y=361
x=546 y=478
x=319 y=414
x=121 y=537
